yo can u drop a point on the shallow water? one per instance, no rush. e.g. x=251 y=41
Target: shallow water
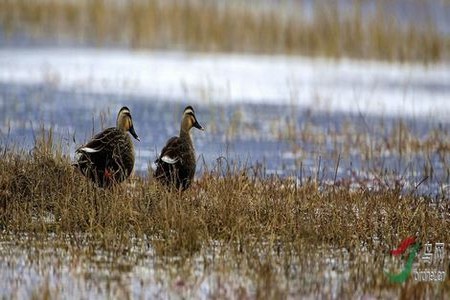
x=35 y=266
x=253 y=136
x=78 y=267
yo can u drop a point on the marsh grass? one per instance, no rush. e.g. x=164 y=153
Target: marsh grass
x=226 y=203
x=231 y=26
x=252 y=223
x=378 y=145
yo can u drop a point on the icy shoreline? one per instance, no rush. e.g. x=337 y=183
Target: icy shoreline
x=371 y=88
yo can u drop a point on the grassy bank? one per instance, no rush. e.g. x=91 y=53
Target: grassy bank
x=231 y=26
x=274 y=231
x=224 y=204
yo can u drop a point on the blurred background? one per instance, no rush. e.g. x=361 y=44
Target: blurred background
x=398 y=30
x=350 y=90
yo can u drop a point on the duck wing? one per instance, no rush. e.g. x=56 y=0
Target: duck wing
x=170 y=154
x=100 y=142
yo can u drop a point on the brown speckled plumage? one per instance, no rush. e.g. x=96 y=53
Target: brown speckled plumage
x=176 y=163
x=108 y=158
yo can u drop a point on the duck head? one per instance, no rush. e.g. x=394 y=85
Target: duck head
x=189 y=120
x=125 y=122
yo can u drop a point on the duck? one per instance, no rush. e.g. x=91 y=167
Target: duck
x=108 y=158
x=176 y=164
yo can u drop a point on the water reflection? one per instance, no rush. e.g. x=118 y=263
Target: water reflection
x=66 y=266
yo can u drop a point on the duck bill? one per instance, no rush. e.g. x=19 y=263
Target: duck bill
x=198 y=126
x=133 y=133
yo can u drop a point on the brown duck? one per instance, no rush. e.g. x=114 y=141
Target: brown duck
x=176 y=164
x=108 y=158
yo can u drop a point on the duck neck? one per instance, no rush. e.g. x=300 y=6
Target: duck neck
x=185 y=135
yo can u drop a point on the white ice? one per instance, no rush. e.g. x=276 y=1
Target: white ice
x=373 y=88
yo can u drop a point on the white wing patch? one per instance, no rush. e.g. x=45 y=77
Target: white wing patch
x=169 y=160
x=89 y=150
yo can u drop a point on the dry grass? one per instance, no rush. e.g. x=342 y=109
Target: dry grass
x=232 y=26
x=265 y=225
x=225 y=204
x=371 y=140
